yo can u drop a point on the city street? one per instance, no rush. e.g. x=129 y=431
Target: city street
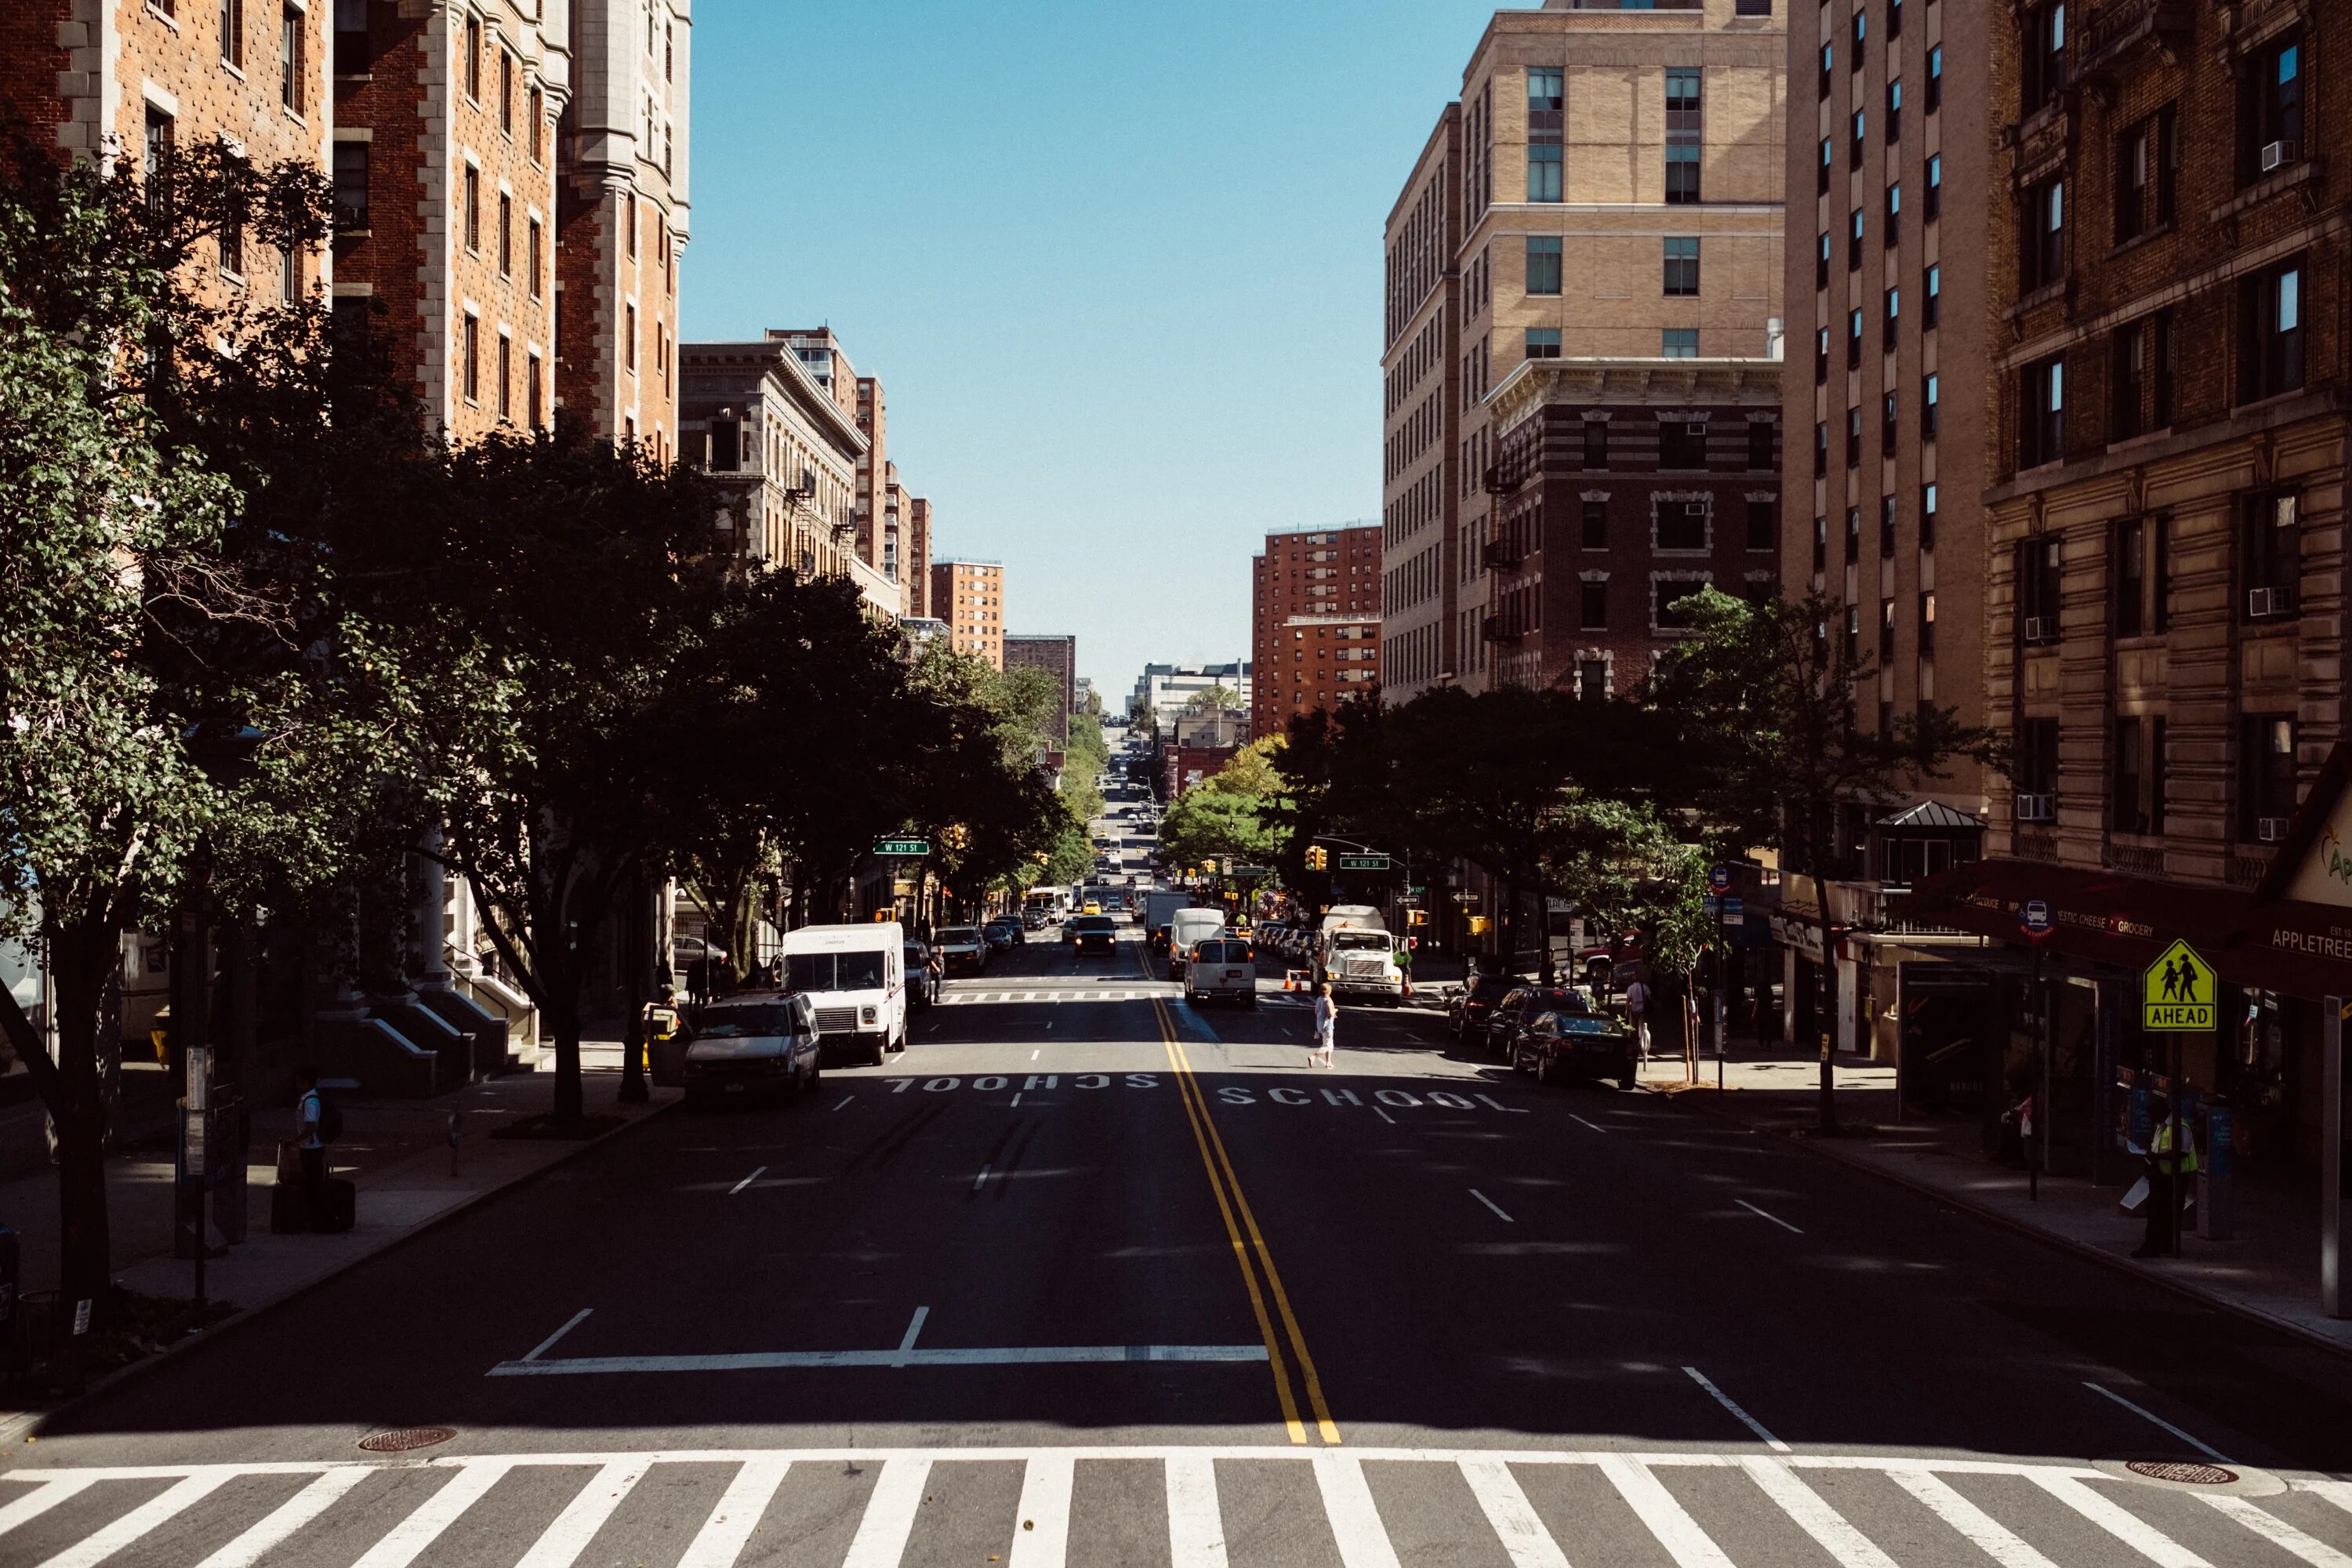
x=1088 y=1275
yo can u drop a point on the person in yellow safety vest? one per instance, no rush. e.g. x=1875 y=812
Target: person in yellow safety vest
x=2165 y=1169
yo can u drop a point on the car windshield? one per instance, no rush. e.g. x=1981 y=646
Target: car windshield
x=1490 y=991
x=1564 y=1002
x=741 y=1023
x=951 y=935
x=833 y=971
x=1094 y=923
x=1343 y=941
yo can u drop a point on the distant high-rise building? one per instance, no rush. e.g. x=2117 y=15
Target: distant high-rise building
x=1315 y=621
x=1163 y=691
x=1057 y=657
x=969 y=595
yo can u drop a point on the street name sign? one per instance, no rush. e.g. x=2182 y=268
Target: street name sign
x=2177 y=992
x=1363 y=862
x=914 y=847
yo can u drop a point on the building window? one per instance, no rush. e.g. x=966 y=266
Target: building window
x=473 y=64
x=1682 y=175
x=1763 y=526
x=473 y=188
x=1886 y=527
x=1885 y=634
x=2127 y=787
x=506 y=376
x=1822 y=171
x=289 y=275
x=471 y=346
x=531 y=396
x=506 y=92
x=1593 y=609
x=290 y=52
x=629 y=337
x=1935 y=78
x=1894 y=111
x=1820 y=448
x=2265 y=776
x=534 y=259
x=2039 y=589
x=1934 y=291
x=1859 y=125
x=1853 y=229
x=2045 y=33
x=2126 y=380
x=232 y=32
x=2127 y=571
x=1669 y=601
x=1596 y=443
x=2043 y=258
x=1543 y=263
x=2270 y=110
x=1678 y=343
x=1853 y=534
x=352 y=187
x=1682 y=265
x=1596 y=524
x=1888 y=407
x=1544 y=171
x=2146 y=165
x=1927 y=625
x=2041 y=412
x=2270 y=347
x=1893 y=214
x=351 y=38
x=1935 y=188
x=2270 y=556
x=505 y=234
x=1854 y=338
x=1681 y=525
x=1544 y=93
x=1930 y=401
x=1926 y=519
x=1763 y=449
x=1829 y=63
x=1852 y=634
x=2037 y=770
x=1543 y=343
x=1890 y=316
x=1854 y=438
x=1861 y=37
x=538 y=101
x=1821 y=543
x=1682 y=99
x=1820 y=356
x=1681 y=444
x=1821 y=262
x=1894 y=19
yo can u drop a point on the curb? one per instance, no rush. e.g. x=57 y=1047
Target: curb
x=25 y=1421
x=2203 y=1295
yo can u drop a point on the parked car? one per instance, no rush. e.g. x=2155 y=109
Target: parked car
x=921 y=989
x=754 y=1045
x=1575 y=1041
x=1093 y=933
x=1522 y=1002
x=1036 y=920
x=1466 y=1013
x=962 y=950
x=1004 y=931
x=1222 y=967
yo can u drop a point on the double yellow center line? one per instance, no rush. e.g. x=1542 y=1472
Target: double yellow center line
x=1250 y=1253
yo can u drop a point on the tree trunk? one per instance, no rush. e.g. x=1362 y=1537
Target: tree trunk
x=1825 y=1012
x=1543 y=930
x=81 y=958
x=637 y=962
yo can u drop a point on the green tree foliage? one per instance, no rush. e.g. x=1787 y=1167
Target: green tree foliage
x=1227 y=815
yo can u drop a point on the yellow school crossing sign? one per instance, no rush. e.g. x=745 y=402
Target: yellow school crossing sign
x=2177 y=992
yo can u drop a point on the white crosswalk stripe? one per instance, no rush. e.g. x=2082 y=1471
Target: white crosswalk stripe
x=84 y=1518
x=1137 y=993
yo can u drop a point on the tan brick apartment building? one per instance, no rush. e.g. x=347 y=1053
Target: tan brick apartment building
x=919 y=535
x=969 y=595
x=128 y=77
x=623 y=218
x=1615 y=182
x=751 y=413
x=443 y=163
x=1884 y=390
x=1057 y=657
x=1315 y=621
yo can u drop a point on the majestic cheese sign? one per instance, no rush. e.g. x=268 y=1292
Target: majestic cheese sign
x=2325 y=876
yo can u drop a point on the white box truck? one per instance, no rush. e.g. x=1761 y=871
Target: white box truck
x=855 y=976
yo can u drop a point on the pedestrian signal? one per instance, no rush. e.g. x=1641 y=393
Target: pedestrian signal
x=2177 y=992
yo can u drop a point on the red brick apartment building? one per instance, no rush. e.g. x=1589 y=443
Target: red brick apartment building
x=1315 y=621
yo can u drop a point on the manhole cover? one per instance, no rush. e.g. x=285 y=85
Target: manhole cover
x=2182 y=1472
x=408 y=1439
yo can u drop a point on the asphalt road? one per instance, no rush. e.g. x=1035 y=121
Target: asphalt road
x=1091 y=1276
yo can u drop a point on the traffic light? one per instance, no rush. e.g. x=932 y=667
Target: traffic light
x=1317 y=858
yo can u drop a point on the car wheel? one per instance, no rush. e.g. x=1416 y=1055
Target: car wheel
x=881 y=1051
x=1630 y=1078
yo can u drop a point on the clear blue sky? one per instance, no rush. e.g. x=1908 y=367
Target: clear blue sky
x=1117 y=266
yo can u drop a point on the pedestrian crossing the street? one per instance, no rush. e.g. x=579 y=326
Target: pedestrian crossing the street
x=1185 y=1507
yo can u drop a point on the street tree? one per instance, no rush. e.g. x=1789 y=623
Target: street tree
x=1769 y=742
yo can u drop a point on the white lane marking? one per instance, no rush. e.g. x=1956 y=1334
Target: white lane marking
x=2121 y=1522
x=44 y=1496
x=1518 y=1110
x=881 y=1540
x=1776 y=1219
x=757 y=1172
x=725 y=1533
x=1041 y=1535
x=1491 y=1203
x=156 y=1510
x=979 y=1181
x=1745 y=1420
x=913 y=1328
x=2279 y=1532
x=280 y=1523
x=548 y=1343
x=845 y=1103
x=2145 y=1413
x=789 y=1360
x=1017 y=1094
x=1383 y=1116
x=1506 y=1505
x=561 y=1543
x=1990 y=1536
x=1678 y=1531
x=1034 y=1055
x=1355 y=1520
x=1196 y=1529
x=1836 y=1535
x=1573 y=1116
x=422 y=1527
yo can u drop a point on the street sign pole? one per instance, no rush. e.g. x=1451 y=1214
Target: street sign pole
x=2033 y=918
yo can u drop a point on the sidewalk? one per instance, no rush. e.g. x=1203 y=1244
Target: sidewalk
x=2269 y=1269
x=396 y=1153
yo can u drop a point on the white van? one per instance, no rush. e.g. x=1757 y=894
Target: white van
x=1187 y=928
x=855 y=978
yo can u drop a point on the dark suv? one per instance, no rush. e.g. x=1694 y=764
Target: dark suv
x=1575 y=1042
x=1522 y=1002
x=1093 y=933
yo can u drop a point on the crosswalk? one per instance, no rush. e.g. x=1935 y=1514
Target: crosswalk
x=1185 y=1507
x=1104 y=994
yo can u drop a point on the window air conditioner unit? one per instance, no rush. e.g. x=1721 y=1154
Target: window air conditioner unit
x=1696 y=429
x=2037 y=808
x=2271 y=829
x=2277 y=156
x=2262 y=602
x=2041 y=628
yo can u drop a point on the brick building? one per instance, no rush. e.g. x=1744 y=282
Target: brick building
x=919 y=534
x=1315 y=621
x=874 y=474
x=444 y=165
x=969 y=595
x=785 y=450
x=1890 y=137
x=120 y=78
x=623 y=218
x=1615 y=180
x=1057 y=657
x=1621 y=487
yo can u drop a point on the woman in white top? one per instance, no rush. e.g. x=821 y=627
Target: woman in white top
x=1326 y=1019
